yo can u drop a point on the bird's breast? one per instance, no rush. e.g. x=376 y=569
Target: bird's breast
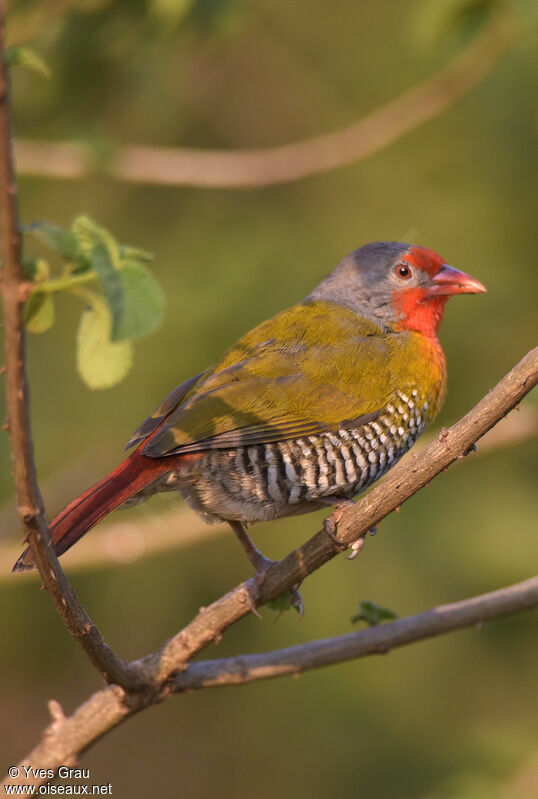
x=271 y=480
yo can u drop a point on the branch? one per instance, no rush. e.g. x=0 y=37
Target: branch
x=184 y=166
x=64 y=740
x=30 y=502
x=376 y=640
x=403 y=480
x=111 y=706
x=67 y=737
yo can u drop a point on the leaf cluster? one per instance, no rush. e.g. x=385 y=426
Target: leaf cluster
x=373 y=614
x=122 y=300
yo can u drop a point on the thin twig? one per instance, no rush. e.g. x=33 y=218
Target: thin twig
x=183 y=166
x=29 y=498
x=372 y=641
x=65 y=738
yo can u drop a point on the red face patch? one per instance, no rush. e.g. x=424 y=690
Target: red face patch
x=418 y=311
x=425 y=259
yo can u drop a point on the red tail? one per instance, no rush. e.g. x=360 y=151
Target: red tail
x=135 y=473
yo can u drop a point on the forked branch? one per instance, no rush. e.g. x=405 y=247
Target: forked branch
x=168 y=671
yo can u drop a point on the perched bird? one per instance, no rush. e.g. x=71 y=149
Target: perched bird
x=304 y=412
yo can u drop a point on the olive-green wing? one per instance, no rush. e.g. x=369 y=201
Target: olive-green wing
x=169 y=403
x=313 y=368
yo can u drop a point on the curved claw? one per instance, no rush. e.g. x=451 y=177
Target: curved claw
x=357 y=545
x=262 y=566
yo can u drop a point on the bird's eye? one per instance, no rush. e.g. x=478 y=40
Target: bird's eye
x=403 y=271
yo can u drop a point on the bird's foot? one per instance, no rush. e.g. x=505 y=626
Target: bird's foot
x=331 y=522
x=357 y=545
x=261 y=567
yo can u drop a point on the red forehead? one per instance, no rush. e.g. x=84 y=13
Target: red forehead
x=425 y=259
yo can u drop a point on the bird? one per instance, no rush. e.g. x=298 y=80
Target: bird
x=304 y=412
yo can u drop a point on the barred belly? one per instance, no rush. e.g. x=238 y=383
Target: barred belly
x=268 y=481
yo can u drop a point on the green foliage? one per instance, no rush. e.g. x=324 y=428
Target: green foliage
x=18 y=56
x=109 y=278
x=285 y=601
x=101 y=361
x=143 y=301
x=62 y=241
x=130 y=303
x=39 y=313
x=373 y=614
x=36 y=269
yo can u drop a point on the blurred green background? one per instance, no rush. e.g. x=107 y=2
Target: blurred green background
x=454 y=717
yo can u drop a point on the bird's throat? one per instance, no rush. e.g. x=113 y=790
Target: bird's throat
x=420 y=312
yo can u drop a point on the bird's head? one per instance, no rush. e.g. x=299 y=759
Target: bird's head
x=401 y=285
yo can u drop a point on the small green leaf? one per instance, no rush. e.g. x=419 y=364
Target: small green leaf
x=39 y=313
x=36 y=269
x=285 y=601
x=56 y=238
x=372 y=614
x=19 y=56
x=88 y=233
x=101 y=362
x=109 y=278
x=128 y=253
x=143 y=302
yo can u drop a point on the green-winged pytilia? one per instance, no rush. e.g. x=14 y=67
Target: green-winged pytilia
x=305 y=411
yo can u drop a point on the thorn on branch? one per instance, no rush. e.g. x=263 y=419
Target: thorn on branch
x=56 y=713
x=28 y=516
x=443 y=435
x=24 y=291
